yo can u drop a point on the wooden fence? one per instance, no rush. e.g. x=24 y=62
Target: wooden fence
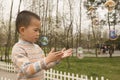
x=4 y=78
x=51 y=74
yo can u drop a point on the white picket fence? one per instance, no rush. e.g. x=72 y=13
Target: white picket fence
x=7 y=67
x=4 y=78
x=50 y=74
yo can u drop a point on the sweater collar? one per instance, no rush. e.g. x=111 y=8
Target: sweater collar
x=25 y=42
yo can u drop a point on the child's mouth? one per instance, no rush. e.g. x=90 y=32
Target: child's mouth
x=36 y=38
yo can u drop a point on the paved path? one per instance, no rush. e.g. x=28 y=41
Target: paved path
x=8 y=75
x=116 y=53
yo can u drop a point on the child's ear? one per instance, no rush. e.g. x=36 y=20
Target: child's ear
x=21 y=29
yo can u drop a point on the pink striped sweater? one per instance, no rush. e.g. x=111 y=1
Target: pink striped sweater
x=28 y=59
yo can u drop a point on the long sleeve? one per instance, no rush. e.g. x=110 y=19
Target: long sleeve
x=21 y=61
x=52 y=64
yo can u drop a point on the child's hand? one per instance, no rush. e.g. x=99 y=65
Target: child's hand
x=53 y=56
x=66 y=53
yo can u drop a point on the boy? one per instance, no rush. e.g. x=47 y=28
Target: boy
x=28 y=57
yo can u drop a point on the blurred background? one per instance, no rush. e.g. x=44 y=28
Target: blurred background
x=93 y=25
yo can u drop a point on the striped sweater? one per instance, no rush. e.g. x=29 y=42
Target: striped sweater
x=28 y=59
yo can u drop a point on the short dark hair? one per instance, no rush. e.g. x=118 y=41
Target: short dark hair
x=24 y=19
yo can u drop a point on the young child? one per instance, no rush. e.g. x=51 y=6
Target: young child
x=27 y=56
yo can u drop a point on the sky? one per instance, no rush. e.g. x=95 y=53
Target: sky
x=7 y=6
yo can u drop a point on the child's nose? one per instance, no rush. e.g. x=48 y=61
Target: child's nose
x=38 y=33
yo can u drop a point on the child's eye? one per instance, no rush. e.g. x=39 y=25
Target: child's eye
x=35 y=30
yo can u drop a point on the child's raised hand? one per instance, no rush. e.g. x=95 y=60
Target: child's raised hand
x=53 y=56
x=66 y=53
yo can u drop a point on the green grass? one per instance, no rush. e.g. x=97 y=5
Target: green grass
x=107 y=67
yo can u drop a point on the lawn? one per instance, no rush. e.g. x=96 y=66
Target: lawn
x=107 y=67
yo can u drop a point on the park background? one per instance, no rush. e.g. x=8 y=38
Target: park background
x=72 y=24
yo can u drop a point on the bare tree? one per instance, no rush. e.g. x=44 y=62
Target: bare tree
x=43 y=18
x=78 y=26
x=56 y=24
x=16 y=34
x=70 y=28
x=80 y=4
x=50 y=24
x=2 y=31
x=9 y=34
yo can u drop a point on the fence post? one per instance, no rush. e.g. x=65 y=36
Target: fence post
x=1 y=78
x=102 y=78
x=5 y=78
x=61 y=75
x=73 y=77
x=86 y=77
x=68 y=76
x=91 y=78
x=0 y=65
x=57 y=75
x=64 y=75
x=54 y=74
x=47 y=75
x=4 y=66
x=51 y=74
x=77 y=77
x=8 y=66
x=96 y=78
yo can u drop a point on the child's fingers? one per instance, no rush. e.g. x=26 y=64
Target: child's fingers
x=68 y=51
x=59 y=54
x=52 y=50
x=63 y=49
x=70 y=54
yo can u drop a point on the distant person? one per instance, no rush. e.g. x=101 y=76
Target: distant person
x=28 y=57
x=111 y=50
x=104 y=49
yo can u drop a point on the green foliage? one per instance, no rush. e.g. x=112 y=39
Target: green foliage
x=116 y=42
x=107 y=67
x=92 y=0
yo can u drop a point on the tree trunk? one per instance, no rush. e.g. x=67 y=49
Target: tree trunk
x=8 y=45
x=56 y=24
x=16 y=33
x=80 y=23
x=94 y=38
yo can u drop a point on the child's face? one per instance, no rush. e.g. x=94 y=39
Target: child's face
x=31 y=32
